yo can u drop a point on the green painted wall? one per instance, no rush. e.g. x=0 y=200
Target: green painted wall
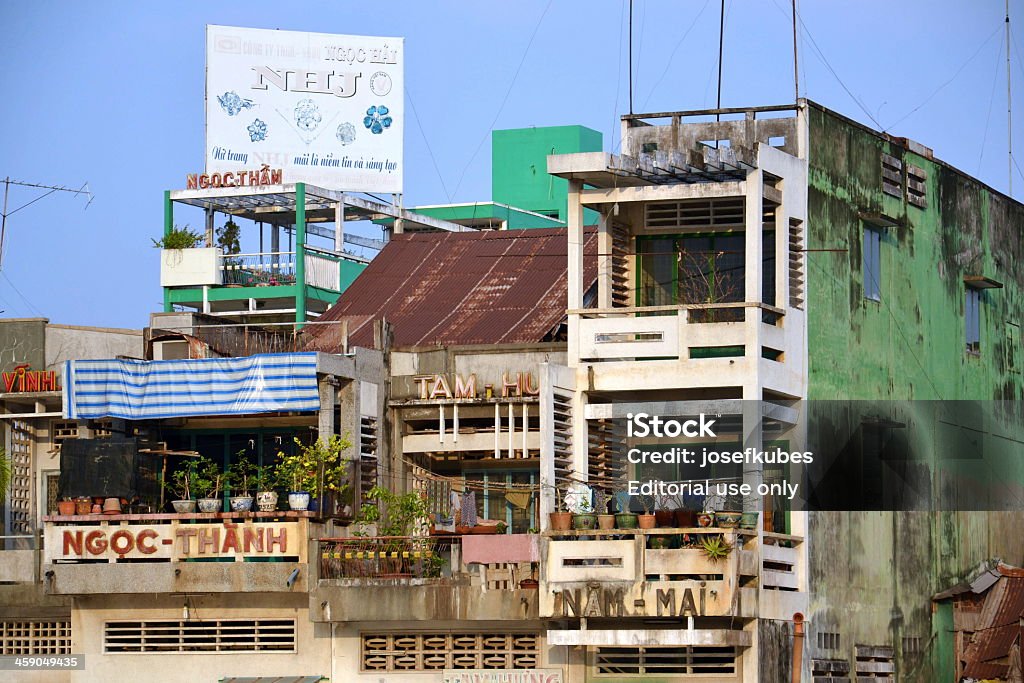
x=519 y=175
x=873 y=573
x=911 y=344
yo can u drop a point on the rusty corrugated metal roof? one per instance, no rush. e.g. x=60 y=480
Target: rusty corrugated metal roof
x=499 y=287
x=998 y=627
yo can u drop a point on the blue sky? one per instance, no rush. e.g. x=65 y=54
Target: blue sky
x=112 y=93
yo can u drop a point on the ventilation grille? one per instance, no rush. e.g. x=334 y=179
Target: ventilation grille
x=234 y=635
x=829 y=641
x=707 y=213
x=874 y=664
x=892 y=176
x=35 y=637
x=796 y=264
x=563 y=438
x=620 y=266
x=605 y=446
x=52 y=490
x=830 y=670
x=60 y=431
x=438 y=651
x=662 y=661
x=916 y=187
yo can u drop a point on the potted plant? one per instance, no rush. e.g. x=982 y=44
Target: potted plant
x=65 y=506
x=706 y=519
x=181 y=486
x=647 y=519
x=178 y=238
x=583 y=517
x=715 y=547
x=263 y=481
x=663 y=515
x=240 y=477
x=561 y=519
x=315 y=470
x=395 y=517
x=624 y=519
x=207 y=483
x=728 y=519
x=604 y=519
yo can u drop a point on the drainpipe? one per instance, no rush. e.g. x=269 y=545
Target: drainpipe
x=798 y=645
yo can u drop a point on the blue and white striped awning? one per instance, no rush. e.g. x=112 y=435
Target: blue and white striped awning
x=138 y=390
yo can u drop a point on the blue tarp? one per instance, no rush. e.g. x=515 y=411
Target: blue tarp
x=138 y=390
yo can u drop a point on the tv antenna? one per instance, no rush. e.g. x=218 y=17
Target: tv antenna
x=4 y=213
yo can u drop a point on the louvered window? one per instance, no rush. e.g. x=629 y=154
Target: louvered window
x=214 y=635
x=663 y=661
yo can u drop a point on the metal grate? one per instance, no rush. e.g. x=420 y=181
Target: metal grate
x=662 y=661
x=829 y=641
x=368 y=461
x=35 y=637
x=220 y=635
x=439 y=651
x=705 y=213
x=52 y=480
x=892 y=176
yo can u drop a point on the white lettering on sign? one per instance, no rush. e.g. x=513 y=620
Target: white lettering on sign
x=502 y=676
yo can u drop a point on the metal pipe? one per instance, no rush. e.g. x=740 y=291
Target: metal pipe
x=798 y=646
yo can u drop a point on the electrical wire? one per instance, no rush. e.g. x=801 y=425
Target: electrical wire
x=668 y=63
x=426 y=141
x=950 y=80
x=991 y=99
x=18 y=292
x=504 y=99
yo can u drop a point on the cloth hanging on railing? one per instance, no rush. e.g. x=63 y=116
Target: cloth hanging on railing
x=469 y=509
x=521 y=499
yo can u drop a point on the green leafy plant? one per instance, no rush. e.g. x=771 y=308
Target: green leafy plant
x=5 y=474
x=227 y=238
x=715 y=547
x=264 y=478
x=318 y=468
x=209 y=479
x=182 y=481
x=178 y=238
x=432 y=565
x=241 y=476
x=394 y=514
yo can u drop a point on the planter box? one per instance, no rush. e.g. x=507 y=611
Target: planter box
x=190 y=267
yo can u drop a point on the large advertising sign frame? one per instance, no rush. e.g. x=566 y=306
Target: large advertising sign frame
x=328 y=109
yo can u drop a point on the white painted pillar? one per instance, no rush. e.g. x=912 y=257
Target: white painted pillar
x=339 y=225
x=604 y=261
x=574 y=231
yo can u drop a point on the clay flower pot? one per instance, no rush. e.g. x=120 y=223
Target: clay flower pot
x=646 y=521
x=606 y=521
x=561 y=521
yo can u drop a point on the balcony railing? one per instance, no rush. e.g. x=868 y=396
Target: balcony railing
x=688 y=331
x=259 y=270
x=383 y=557
x=668 y=573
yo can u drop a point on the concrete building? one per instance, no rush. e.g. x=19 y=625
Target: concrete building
x=751 y=268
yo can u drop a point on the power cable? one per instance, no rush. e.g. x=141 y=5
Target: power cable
x=426 y=141
x=18 y=292
x=668 y=63
x=504 y=99
x=991 y=99
x=951 y=79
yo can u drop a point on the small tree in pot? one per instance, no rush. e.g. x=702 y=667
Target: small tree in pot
x=239 y=479
x=207 y=483
x=181 y=486
x=316 y=470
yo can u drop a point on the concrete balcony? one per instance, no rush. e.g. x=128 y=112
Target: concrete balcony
x=665 y=573
x=166 y=553
x=688 y=345
x=427 y=578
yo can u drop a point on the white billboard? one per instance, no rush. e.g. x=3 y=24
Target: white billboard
x=327 y=109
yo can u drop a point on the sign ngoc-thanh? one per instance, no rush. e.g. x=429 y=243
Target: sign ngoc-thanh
x=327 y=109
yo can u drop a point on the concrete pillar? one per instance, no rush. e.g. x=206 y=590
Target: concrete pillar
x=339 y=225
x=300 y=255
x=574 y=233
x=168 y=226
x=325 y=420
x=546 y=499
x=604 y=261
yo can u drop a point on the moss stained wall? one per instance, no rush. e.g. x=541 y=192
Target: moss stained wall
x=873 y=574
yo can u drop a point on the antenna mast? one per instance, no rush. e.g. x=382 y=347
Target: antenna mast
x=4 y=213
x=1009 y=108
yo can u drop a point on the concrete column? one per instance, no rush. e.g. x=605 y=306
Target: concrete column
x=209 y=227
x=546 y=499
x=300 y=255
x=168 y=226
x=328 y=394
x=604 y=261
x=574 y=231
x=339 y=225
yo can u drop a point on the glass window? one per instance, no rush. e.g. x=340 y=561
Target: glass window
x=657 y=272
x=972 y=314
x=871 y=254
